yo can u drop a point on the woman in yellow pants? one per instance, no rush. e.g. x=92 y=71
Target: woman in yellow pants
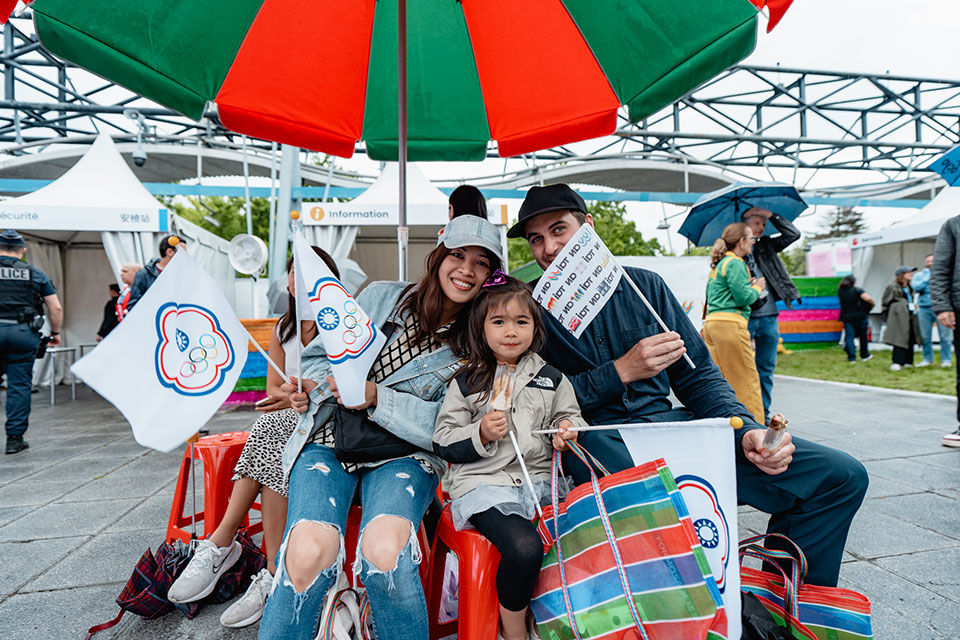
x=730 y=292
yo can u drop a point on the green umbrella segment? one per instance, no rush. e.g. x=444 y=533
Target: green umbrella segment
x=323 y=75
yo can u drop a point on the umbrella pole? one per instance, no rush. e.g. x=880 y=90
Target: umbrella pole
x=402 y=230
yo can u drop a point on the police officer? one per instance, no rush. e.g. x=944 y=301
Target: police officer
x=23 y=292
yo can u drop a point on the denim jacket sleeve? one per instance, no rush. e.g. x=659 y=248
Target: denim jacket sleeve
x=921 y=281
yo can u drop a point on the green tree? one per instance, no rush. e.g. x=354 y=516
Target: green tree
x=619 y=234
x=225 y=217
x=840 y=223
x=796 y=259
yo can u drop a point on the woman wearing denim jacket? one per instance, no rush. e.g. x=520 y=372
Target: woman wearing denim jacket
x=404 y=391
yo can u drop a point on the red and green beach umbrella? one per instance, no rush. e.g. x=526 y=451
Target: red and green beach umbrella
x=323 y=74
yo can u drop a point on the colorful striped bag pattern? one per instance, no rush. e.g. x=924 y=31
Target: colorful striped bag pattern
x=627 y=563
x=810 y=612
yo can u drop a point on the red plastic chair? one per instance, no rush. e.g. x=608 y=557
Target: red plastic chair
x=219 y=454
x=478 y=610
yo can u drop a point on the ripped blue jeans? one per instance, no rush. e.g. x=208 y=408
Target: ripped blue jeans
x=321 y=491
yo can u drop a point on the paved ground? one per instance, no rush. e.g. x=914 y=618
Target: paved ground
x=80 y=507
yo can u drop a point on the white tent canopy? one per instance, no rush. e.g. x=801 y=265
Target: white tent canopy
x=365 y=228
x=81 y=228
x=876 y=254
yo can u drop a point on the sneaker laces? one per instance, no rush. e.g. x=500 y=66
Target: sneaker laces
x=202 y=557
x=263 y=581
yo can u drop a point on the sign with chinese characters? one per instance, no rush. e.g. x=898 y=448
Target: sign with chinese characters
x=81 y=218
x=579 y=281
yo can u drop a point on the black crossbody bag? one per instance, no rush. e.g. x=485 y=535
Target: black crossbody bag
x=357 y=438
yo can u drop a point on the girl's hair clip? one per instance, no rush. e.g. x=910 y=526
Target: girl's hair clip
x=496 y=278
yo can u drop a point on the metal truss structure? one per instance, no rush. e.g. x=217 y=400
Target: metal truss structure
x=748 y=116
x=775 y=117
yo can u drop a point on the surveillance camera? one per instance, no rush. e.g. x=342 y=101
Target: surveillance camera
x=139 y=157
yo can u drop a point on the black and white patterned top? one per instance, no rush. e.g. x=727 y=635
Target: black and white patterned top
x=391 y=359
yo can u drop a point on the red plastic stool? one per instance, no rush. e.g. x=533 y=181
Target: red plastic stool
x=219 y=454
x=478 y=610
x=352 y=537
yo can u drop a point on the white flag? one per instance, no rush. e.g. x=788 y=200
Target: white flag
x=350 y=338
x=579 y=281
x=173 y=360
x=701 y=459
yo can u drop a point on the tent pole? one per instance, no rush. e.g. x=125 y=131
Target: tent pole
x=272 y=216
x=402 y=231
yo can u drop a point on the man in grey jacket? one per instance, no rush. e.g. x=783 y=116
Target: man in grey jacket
x=764 y=321
x=945 y=296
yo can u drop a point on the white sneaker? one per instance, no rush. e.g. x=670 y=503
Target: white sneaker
x=951 y=439
x=895 y=367
x=946 y=365
x=867 y=358
x=924 y=363
x=201 y=574
x=251 y=604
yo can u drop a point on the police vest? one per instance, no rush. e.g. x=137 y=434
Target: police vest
x=18 y=301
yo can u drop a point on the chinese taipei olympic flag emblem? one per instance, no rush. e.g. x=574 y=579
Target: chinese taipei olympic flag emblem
x=352 y=341
x=339 y=314
x=193 y=353
x=173 y=360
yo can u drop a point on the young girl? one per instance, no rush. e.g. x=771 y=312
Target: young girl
x=486 y=480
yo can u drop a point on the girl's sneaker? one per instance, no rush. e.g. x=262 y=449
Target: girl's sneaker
x=199 y=578
x=249 y=608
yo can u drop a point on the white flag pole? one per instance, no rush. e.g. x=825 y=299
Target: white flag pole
x=267 y=356
x=734 y=421
x=295 y=216
x=663 y=325
x=526 y=475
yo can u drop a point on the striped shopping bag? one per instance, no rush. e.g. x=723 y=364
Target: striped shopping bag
x=811 y=612
x=624 y=561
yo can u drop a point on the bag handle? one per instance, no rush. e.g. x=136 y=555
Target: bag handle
x=790 y=599
x=797 y=557
x=104 y=625
x=582 y=454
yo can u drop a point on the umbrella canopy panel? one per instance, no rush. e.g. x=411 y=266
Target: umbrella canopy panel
x=711 y=214
x=323 y=75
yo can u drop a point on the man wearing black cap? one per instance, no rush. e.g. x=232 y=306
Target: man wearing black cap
x=23 y=291
x=146 y=276
x=623 y=368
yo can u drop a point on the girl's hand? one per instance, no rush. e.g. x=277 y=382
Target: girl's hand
x=273 y=403
x=300 y=402
x=493 y=426
x=370 y=393
x=559 y=439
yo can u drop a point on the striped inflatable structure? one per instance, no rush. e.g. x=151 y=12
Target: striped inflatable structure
x=252 y=385
x=814 y=322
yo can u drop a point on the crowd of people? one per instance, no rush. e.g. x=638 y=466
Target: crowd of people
x=432 y=388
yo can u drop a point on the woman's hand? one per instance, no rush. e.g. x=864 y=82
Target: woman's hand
x=370 y=391
x=300 y=402
x=493 y=426
x=759 y=283
x=274 y=403
x=565 y=433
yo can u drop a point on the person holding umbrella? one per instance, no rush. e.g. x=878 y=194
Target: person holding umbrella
x=755 y=203
x=900 y=313
x=730 y=291
x=764 y=319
